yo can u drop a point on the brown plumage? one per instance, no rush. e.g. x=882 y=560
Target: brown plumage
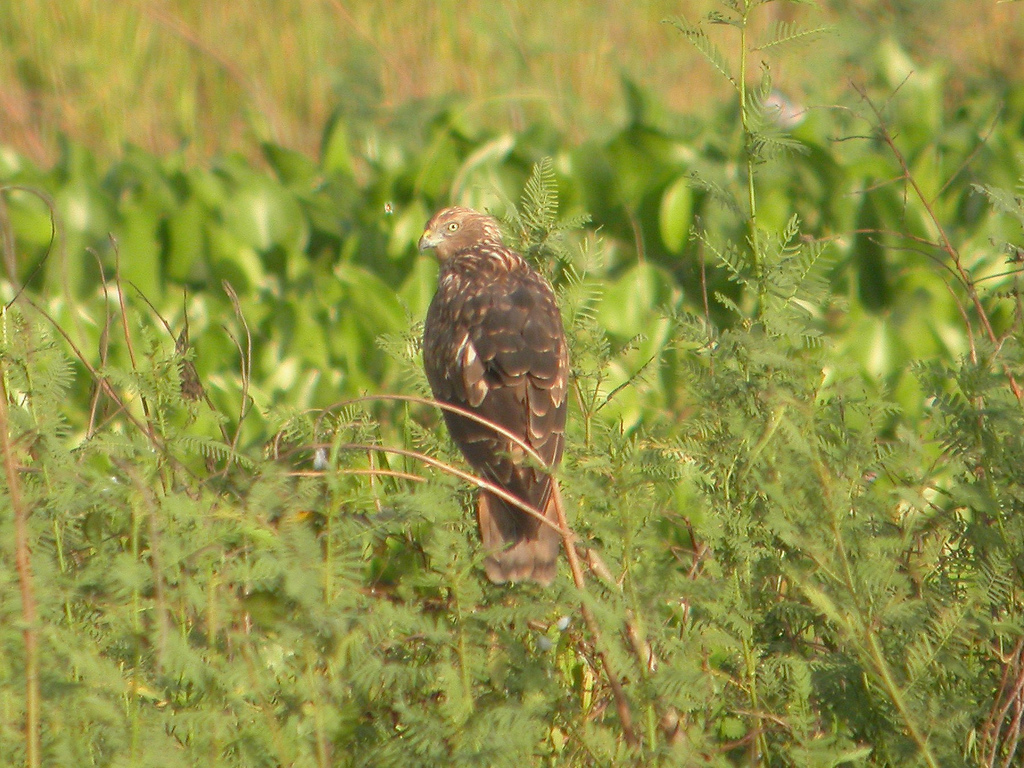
x=493 y=343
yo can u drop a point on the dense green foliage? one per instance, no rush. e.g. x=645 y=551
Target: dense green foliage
x=794 y=451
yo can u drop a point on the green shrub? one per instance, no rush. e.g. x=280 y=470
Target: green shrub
x=220 y=551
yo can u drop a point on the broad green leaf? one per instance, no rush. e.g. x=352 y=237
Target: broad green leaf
x=264 y=215
x=139 y=251
x=675 y=216
x=186 y=246
x=419 y=287
x=292 y=168
x=335 y=155
x=406 y=227
x=30 y=218
x=233 y=260
x=370 y=300
x=633 y=300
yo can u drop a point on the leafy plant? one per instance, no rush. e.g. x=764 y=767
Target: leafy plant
x=235 y=534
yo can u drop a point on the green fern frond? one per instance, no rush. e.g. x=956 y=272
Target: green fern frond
x=214 y=449
x=700 y=40
x=540 y=198
x=783 y=32
x=716 y=191
x=1003 y=200
x=769 y=145
x=729 y=304
x=729 y=256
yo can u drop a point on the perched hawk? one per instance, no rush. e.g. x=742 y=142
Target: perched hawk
x=493 y=343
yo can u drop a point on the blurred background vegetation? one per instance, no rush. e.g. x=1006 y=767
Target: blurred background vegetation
x=219 y=79
x=796 y=323
x=265 y=145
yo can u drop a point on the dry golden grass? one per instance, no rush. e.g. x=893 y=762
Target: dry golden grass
x=218 y=77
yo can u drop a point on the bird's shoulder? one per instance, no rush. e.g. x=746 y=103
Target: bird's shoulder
x=487 y=278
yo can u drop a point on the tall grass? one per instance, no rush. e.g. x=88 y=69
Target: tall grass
x=219 y=77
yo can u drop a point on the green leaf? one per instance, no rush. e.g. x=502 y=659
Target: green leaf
x=700 y=40
x=335 y=154
x=675 y=216
x=291 y=167
x=186 y=246
x=633 y=299
x=783 y=32
x=264 y=215
x=371 y=299
x=139 y=250
x=233 y=260
x=418 y=289
x=30 y=218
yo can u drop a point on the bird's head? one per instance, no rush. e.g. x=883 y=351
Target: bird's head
x=454 y=229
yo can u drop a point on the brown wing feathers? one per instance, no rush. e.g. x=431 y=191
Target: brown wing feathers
x=493 y=342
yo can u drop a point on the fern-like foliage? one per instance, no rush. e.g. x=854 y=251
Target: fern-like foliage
x=779 y=572
x=698 y=37
x=535 y=226
x=784 y=33
x=768 y=139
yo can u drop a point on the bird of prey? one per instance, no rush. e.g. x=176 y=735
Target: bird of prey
x=493 y=343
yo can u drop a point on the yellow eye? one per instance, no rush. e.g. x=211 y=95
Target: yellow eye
x=453 y=226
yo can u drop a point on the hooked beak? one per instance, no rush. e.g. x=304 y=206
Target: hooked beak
x=429 y=240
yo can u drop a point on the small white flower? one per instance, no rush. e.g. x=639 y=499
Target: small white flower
x=320 y=459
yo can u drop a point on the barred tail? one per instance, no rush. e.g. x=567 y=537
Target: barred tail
x=519 y=547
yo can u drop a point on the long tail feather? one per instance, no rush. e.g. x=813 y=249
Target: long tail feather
x=519 y=547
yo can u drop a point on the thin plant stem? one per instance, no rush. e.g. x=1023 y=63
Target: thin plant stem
x=881 y=665
x=748 y=151
x=562 y=526
x=621 y=702
x=470 y=478
x=945 y=243
x=33 y=701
